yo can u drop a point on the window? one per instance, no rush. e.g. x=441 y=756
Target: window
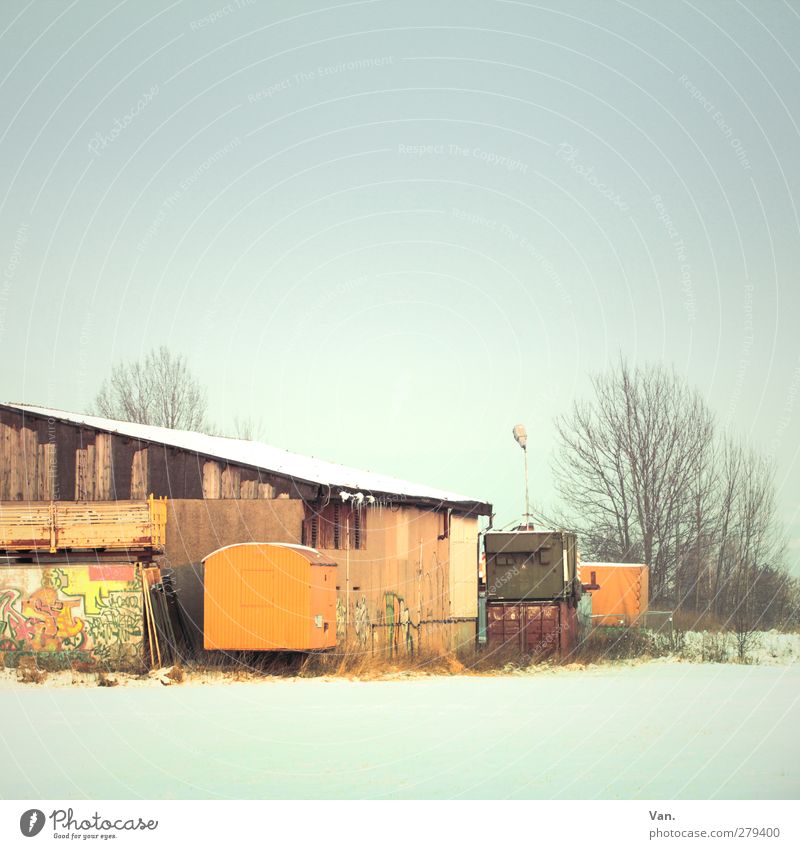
x=357 y=535
x=337 y=525
x=332 y=526
x=311 y=526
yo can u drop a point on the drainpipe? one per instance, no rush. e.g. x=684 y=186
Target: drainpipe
x=347 y=580
x=419 y=585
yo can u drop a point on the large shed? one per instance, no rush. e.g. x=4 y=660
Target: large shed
x=407 y=553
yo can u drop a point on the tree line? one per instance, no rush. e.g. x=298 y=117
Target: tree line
x=649 y=477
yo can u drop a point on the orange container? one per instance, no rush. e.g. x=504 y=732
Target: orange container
x=269 y=597
x=623 y=595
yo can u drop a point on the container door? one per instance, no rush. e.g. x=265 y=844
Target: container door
x=258 y=620
x=463 y=567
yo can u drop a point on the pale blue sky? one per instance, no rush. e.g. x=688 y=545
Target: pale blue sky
x=391 y=230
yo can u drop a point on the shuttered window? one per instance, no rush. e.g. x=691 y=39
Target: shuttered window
x=338 y=530
x=357 y=536
x=327 y=526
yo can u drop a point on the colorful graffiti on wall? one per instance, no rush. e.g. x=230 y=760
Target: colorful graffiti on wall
x=397 y=632
x=84 y=615
x=360 y=628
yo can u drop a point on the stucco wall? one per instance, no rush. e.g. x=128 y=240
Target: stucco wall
x=196 y=527
x=395 y=595
x=87 y=616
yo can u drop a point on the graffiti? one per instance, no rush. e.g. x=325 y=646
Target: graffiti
x=341 y=620
x=10 y=619
x=398 y=624
x=39 y=622
x=361 y=621
x=50 y=623
x=65 y=617
x=97 y=586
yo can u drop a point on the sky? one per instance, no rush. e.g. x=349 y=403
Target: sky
x=389 y=231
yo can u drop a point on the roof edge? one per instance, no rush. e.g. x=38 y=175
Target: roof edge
x=467 y=505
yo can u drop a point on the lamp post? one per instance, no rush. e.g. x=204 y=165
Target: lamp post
x=521 y=435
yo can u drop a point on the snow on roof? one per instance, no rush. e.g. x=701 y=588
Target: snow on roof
x=259 y=455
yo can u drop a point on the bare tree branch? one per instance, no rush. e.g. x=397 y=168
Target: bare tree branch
x=157 y=390
x=650 y=480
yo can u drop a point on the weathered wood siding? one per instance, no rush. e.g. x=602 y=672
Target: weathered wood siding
x=47 y=460
x=28 y=463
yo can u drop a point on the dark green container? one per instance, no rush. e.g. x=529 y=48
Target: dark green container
x=530 y=565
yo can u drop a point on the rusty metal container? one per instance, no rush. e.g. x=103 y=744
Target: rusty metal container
x=532 y=627
x=530 y=565
x=623 y=594
x=269 y=597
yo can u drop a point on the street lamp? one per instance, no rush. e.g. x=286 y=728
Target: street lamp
x=521 y=435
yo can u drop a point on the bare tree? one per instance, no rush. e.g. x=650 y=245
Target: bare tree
x=249 y=428
x=158 y=389
x=751 y=547
x=649 y=480
x=696 y=538
x=629 y=462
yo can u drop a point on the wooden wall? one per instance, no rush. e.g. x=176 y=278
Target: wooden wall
x=28 y=463
x=43 y=459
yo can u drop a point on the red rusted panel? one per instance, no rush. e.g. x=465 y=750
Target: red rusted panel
x=532 y=627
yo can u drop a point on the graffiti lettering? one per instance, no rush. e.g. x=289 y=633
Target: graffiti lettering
x=64 y=617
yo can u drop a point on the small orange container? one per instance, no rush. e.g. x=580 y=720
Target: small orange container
x=269 y=597
x=623 y=594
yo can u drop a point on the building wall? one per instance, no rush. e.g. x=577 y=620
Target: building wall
x=395 y=595
x=407 y=591
x=85 y=616
x=196 y=527
x=403 y=590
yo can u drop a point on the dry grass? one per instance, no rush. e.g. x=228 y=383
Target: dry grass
x=687 y=620
x=355 y=663
x=614 y=644
x=351 y=662
x=604 y=645
x=28 y=672
x=175 y=674
x=470 y=660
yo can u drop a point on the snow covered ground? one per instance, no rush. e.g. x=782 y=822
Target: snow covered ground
x=656 y=730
